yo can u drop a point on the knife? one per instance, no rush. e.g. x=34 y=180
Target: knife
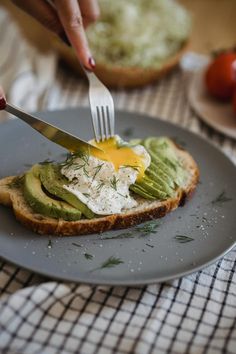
x=51 y=132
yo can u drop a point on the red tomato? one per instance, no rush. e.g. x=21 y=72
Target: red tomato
x=220 y=76
x=234 y=101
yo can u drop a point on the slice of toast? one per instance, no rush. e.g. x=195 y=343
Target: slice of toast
x=146 y=210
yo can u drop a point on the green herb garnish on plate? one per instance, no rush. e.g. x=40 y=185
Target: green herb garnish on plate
x=220 y=199
x=183 y=238
x=111 y=262
x=88 y=256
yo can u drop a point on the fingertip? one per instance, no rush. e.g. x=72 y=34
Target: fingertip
x=72 y=22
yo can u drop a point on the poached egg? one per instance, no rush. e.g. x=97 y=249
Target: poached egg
x=102 y=180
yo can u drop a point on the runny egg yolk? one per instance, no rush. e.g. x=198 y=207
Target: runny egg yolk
x=119 y=155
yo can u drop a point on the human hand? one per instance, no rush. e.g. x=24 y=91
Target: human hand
x=67 y=19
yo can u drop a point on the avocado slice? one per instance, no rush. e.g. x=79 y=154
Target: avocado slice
x=162 y=149
x=53 y=181
x=176 y=168
x=41 y=203
x=152 y=188
x=165 y=171
x=140 y=191
x=162 y=174
x=163 y=185
x=157 y=160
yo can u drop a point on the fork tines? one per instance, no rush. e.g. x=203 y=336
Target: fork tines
x=105 y=123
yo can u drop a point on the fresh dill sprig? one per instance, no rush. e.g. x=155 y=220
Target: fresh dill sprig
x=113 y=182
x=100 y=185
x=88 y=256
x=87 y=195
x=147 y=244
x=183 y=238
x=97 y=169
x=85 y=171
x=76 y=244
x=148 y=228
x=82 y=154
x=84 y=157
x=78 y=167
x=220 y=199
x=70 y=161
x=128 y=234
x=122 y=195
x=111 y=262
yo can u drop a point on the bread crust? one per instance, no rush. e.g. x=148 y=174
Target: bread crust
x=146 y=210
x=114 y=76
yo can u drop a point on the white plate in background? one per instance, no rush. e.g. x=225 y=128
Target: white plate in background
x=219 y=115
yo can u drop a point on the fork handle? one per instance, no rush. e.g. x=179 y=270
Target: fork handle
x=92 y=78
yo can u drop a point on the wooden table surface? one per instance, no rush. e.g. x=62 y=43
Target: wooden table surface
x=214 y=24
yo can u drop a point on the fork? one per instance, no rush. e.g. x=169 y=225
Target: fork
x=101 y=103
x=102 y=108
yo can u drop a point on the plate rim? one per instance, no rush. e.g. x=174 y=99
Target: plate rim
x=149 y=281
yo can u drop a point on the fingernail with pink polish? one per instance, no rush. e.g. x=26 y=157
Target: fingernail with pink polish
x=91 y=64
x=2 y=102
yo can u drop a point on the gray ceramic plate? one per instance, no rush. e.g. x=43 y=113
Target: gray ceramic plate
x=208 y=218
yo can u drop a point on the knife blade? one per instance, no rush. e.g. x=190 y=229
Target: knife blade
x=51 y=132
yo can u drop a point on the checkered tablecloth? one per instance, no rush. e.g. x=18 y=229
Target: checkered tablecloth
x=195 y=314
